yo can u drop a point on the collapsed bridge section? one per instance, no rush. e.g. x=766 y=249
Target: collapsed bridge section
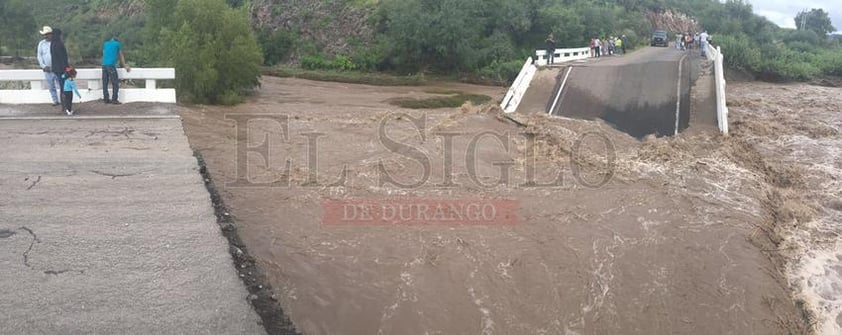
x=638 y=98
x=644 y=93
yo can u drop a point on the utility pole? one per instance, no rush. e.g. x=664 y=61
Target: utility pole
x=804 y=19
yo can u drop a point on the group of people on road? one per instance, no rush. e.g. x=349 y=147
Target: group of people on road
x=53 y=60
x=599 y=47
x=687 y=41
x=608 y=46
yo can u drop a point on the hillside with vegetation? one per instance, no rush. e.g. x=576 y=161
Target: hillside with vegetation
x=463 y=39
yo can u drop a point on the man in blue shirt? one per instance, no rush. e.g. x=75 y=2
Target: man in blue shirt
x=112 y=52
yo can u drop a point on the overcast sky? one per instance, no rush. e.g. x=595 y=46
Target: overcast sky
x=783 y=12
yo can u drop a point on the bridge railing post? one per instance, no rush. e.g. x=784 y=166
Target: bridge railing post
x=721 y=102
x=541 y=58
x=561 y=55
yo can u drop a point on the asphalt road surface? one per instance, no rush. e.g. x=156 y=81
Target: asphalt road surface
x=642 y=93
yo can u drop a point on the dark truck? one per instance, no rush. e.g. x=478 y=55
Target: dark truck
x=660 y=38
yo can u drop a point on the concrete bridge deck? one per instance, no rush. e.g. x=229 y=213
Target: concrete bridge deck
x=106 y=227
x=642 y=93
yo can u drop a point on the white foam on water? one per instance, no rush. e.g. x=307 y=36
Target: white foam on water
x=818 y=276
x=816 y=271
x=815 y=268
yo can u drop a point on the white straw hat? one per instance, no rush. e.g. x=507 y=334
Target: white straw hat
x=46 y=30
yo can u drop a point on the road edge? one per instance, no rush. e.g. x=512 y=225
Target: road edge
x=261 y=295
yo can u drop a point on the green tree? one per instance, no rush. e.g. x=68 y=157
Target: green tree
x=816 y=20
x=446 y=35
x=159 y=18
x=565 y=24
x=18 y=25
x=214 y=51
x=277 y=45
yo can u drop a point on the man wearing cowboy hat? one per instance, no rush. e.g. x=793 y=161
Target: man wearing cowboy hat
x=46 y=62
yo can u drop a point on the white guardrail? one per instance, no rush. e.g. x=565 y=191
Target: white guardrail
x=562 y=55
x=715 y=54
x=519 y=87
x=39 y=94
x=524 y=78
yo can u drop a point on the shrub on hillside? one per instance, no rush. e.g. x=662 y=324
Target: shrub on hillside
x=779 y=63
x=739 y=52
x=344 y=63
x=214 y=51
x=318 y=62
x=801 y=36
x=779 y=69
x=801 y=46
x=368 y=59
x=830 y=62
x=502 y=72
x=315 y=62
x=18 y=24
x=445 y=36
x=277 y=45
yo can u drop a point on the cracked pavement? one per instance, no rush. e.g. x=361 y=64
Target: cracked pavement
x=106 y=227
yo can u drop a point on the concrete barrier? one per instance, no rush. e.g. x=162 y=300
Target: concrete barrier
x=39 y=94
x=715 y=55
x=562 y=55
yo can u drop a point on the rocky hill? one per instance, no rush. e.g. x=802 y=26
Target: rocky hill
x=326 y=27
x=332 y=27
x=51 y=12
x=673 y=21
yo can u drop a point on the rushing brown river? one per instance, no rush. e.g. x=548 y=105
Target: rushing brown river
x=697 y=234
x=800 y=127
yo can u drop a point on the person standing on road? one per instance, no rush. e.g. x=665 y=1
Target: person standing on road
x=68 y=89
x=112 y=52
x=603 y=44
x=45 y=61
x=703 y=42
x=625 y=41
x=58 y=57
x=621 y=47
x=596 y=46
x=550 y=49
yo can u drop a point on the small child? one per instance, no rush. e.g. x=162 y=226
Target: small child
x=69 y=89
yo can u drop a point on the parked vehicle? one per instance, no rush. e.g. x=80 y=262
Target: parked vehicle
x=660 y=38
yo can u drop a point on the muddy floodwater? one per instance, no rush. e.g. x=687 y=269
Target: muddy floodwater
x=799 y=128
x=698 y=234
